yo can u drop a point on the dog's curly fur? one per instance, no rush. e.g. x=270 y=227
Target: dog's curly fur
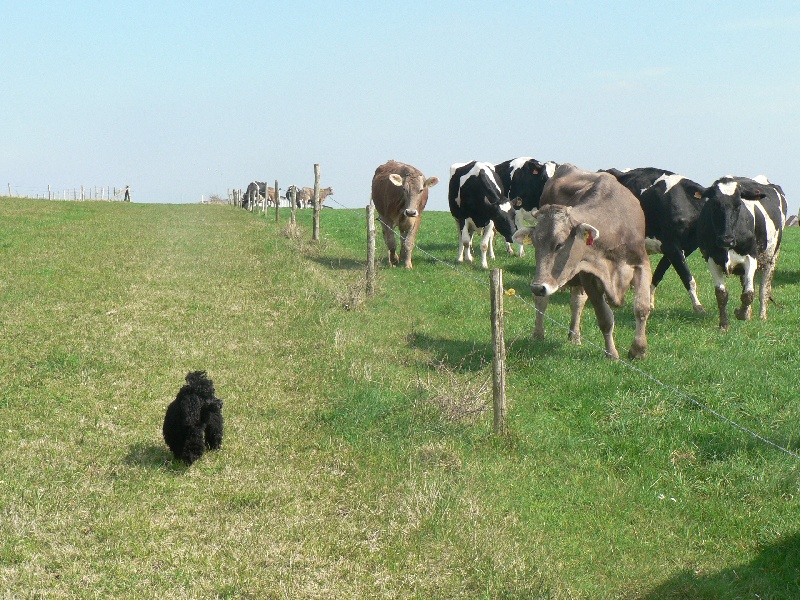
x=194 y=419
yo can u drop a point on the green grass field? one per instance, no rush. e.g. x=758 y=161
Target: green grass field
x=359 y=459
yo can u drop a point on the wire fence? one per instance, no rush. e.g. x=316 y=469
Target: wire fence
x=75 y=193
x=629 y=365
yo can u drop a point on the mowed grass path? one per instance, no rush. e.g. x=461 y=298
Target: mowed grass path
x=357 y=462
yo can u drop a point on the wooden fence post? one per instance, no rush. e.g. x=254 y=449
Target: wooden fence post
x=277 y=200
x=293 y=200
x=315 y=235
x=370 y=249
x=499 y=359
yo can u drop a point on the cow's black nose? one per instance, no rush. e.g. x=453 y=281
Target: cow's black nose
x=538 y=289
x=727 y=241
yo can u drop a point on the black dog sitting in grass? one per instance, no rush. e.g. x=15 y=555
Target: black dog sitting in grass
x=194 y=419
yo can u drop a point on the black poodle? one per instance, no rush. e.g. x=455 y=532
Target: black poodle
x=194 y=419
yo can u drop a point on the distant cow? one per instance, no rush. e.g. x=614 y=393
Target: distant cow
x=671 y=205
x=256 y=192
x=293 y=189
x=400 y=193
x=590 y=231
x=523 y=181
x=477 y=203
x=323 y=193
x=739 y=232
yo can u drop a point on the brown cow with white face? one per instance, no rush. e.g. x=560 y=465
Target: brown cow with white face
x=400 y=193
x=590 y=232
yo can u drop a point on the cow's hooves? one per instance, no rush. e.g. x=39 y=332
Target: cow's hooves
x=699 y=310
x=637 y=354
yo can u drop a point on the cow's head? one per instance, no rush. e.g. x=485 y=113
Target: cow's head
x=527 y=183
x=724 y=203
x=561 y=242
x=415 y=192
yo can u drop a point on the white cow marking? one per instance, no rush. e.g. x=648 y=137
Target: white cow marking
x=670 y=181
x=518 y=163
x=727 y=188
x=476 y=171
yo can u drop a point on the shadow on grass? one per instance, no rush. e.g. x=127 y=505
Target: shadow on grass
x=149 y=456
x=774 y=573
x=457 y=354
x=782 y=277
x=339 y=264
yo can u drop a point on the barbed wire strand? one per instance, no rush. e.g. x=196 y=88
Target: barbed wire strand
x=628 y=364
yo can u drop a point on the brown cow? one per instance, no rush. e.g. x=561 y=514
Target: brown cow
x=400 y=193
x=590 y=232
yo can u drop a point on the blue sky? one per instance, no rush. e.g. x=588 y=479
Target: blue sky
x=183 y=99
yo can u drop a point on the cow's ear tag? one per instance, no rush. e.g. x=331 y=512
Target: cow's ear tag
x=536 y=171
x=698 y=195
x=589 y=237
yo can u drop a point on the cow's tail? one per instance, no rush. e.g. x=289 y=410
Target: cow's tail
x=772 y=300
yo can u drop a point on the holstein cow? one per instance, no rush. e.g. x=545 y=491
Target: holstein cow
x=523 y=180
x=477 y=203
x=400 y=193
x=296 y=190
x=739 y=232
x=671 y=205
x=590 y=232
x=256 y=192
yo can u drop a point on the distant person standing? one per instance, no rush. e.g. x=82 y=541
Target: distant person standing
x=127 y=193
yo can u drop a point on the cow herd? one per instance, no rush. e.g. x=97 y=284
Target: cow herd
x=593 y=231
x=258 y=192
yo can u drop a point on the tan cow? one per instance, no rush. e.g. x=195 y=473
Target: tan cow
x=400 y=193
x=589 y=232
x=309 y=195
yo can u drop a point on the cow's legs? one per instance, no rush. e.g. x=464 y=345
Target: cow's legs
x=540 y=302
x=721 y=292
x=766 y=284
x=577 y=300
x=409 y=232
x=677 y=258
x=744 y=312
x=605 y=316
x=465 y=242
x=641 y=309
x=487 y=244
x=391 y=244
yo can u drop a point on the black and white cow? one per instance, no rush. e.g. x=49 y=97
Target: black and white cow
x=523 y=180
x=297 y=198
x=671 y=205
x=739 y=232
x=478 y=203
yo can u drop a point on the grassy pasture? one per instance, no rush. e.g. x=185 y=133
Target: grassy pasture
x=358 y=460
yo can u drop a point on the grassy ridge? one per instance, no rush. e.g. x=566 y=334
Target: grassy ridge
x=357 y=460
